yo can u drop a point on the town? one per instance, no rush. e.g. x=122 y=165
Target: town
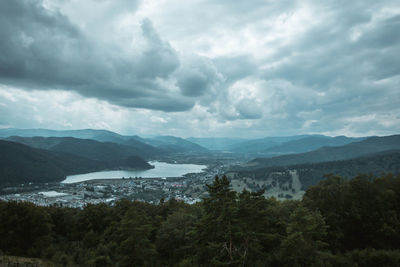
x=189 y=188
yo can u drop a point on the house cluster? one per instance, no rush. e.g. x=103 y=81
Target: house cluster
x=190 y=189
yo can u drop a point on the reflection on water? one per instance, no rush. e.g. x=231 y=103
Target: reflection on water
x=161 y=169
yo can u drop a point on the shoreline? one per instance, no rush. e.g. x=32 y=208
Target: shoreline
x=120 y=180
x=161 y=170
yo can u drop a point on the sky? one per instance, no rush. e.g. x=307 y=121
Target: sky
x=202 y=68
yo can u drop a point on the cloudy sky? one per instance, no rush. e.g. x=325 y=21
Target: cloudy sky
x=201 y=67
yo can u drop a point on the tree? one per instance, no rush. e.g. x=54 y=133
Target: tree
x=305 y=232
x=174 y=237
x=25 y=229
x=215 y=232
x=133 y=236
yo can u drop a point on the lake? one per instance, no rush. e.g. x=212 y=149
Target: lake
x=161 y=169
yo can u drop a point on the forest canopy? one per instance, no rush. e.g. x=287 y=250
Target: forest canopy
x=339 y=222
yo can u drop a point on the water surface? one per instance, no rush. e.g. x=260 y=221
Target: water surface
x=161 y=169
x=52 y=194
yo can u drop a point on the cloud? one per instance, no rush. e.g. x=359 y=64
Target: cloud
x=42 y=49
x=198 y=77
x=248 y=109
x=158 y=59
x=222 y=67
x=235 y=68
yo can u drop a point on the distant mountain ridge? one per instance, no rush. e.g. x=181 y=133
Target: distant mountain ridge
x=161 y=145
x=99 y=135
x=353 y=150
x=217 y=143
x=260 y=145
x=311 y=143
x=85 y=147
x=149 y=147
x=273 y=146
x=175 y=144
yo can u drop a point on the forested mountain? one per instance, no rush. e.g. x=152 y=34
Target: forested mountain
x=99 y=135
x=310 y=143
x=20 y=164
x=356 y=149
x=375 y=164
x=175 y=144
x=106 y=151
x=161 y=145
x=312 y=173
x=261 y=145
x=216 y=143
x=147 y=147
x=88 y=148
x=274 y=146
x=338 y=223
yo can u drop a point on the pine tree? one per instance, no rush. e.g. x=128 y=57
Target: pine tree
x=216 y=230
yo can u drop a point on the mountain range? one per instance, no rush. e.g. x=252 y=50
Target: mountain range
x=273 y=146
x=49 y=155
x=89 y=148
x=144 y=147
x=352 y=150
x=162 y=145
x=217 y=143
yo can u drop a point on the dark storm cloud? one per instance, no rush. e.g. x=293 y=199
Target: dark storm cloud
x=194 y=83
x=159 y=59
x=42 y=49
x=385 y=34
x=198 y=77
x=30 y=37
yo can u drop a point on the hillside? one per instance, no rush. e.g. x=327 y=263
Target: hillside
x=88 y=148
x=375 y=164
x=275 y=146
x=356 y=149
x=310 y=143
x=20 y=164
x=139 y=144
x=260 y=146
x=311 y=174
x=96 y=150
x=174 y=144
x=99 y=135
x=217 y=143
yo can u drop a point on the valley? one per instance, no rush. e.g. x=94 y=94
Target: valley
x=106 y=167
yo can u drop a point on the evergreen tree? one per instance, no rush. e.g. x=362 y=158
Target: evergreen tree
x=217 y=228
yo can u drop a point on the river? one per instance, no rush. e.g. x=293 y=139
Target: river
x=161 y=169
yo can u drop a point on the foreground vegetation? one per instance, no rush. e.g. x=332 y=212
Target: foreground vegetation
x=338 y=223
